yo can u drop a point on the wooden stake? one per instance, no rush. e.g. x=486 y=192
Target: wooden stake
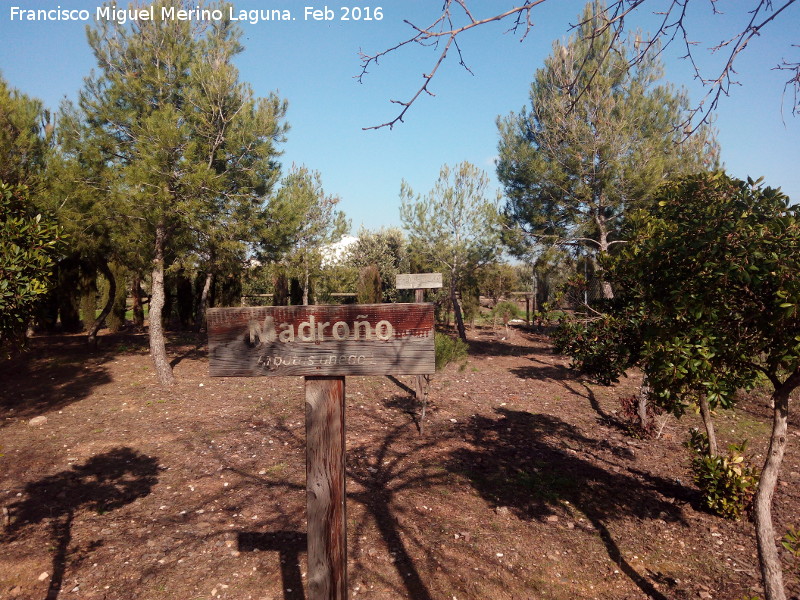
x=325 y=488
x=422 y=380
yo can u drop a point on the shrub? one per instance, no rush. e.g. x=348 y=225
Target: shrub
x=29 y=246
x=369 y=289
x=727 y=483
x=791 y=542
x=449 y=350
x=505 y=311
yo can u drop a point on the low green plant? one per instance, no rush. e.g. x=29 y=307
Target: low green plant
x=505 y=311
x=791 y=542
x=449 y=350
x=727 y=483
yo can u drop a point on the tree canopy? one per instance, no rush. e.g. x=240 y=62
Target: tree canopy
x=582 y=156
x=709 y=305
x=190 y=154
x=454 y=227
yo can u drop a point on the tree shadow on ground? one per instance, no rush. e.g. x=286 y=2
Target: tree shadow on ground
x=519 y=461
x=566 y=377
x=485 y=348
x=409 y=405
x=56 y=371
x=377 y=471
x=103 y=483
x=382 y=474
x=603 y=417
x=289 y=545
x=184 y=345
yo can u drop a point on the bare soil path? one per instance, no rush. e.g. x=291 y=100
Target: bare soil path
x=524 y=485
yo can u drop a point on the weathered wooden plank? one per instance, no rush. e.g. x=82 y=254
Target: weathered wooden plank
x=367 y=339
x=325 y=487
x=413 y=281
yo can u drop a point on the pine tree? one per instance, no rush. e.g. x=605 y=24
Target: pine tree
x=310 y=219
x=455 y=227
x=190 y=150
x=597 y=140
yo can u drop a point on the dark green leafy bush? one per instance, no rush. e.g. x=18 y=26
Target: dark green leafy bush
x=449 y=350
x=727 y=483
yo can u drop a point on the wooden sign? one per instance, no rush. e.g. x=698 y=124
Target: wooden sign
x=366 y=339
x=416 y=281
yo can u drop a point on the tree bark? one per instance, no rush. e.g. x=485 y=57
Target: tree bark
x=605 y=286
x=768 y=557
x=708 y=422
x=91 y=338
x=158 y=349
x=462 y=332
x=305 y=283
x=201 y=316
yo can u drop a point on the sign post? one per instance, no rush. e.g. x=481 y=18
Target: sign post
x=325 y=488
x=419 y=282
x=323 y=344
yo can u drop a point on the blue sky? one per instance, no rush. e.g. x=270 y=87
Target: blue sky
x=313 y=63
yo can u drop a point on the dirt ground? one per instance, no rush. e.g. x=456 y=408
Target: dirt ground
x=522 y=486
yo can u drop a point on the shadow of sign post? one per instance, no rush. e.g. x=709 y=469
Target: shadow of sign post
x=323 y=344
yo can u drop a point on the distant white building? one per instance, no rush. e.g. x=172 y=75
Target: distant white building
x=335 y=253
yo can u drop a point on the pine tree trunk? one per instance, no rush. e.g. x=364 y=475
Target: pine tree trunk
x=462 y=332
x=768 y=557
x=88 y=301
x=605 y=286
x=158 y=349
x=116 y=320
x=112 y=292
x=705 y=412
x=201 y=317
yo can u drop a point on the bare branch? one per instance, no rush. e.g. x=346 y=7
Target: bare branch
x=442 y=28
x=671 y=29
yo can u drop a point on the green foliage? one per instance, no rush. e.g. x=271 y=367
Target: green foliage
x=708 y=295
x=727 y=483
x=449 y=350
x=454 y=229
x=29 y=245
x=791 y=542
x=497 y=279
x=25 y=132
x=369 y=289
x=602 y=348
x=713 y=275
x=181 y=153
x=387 y=250
x=505 y=311
x=572 y=167
x=311 y=221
